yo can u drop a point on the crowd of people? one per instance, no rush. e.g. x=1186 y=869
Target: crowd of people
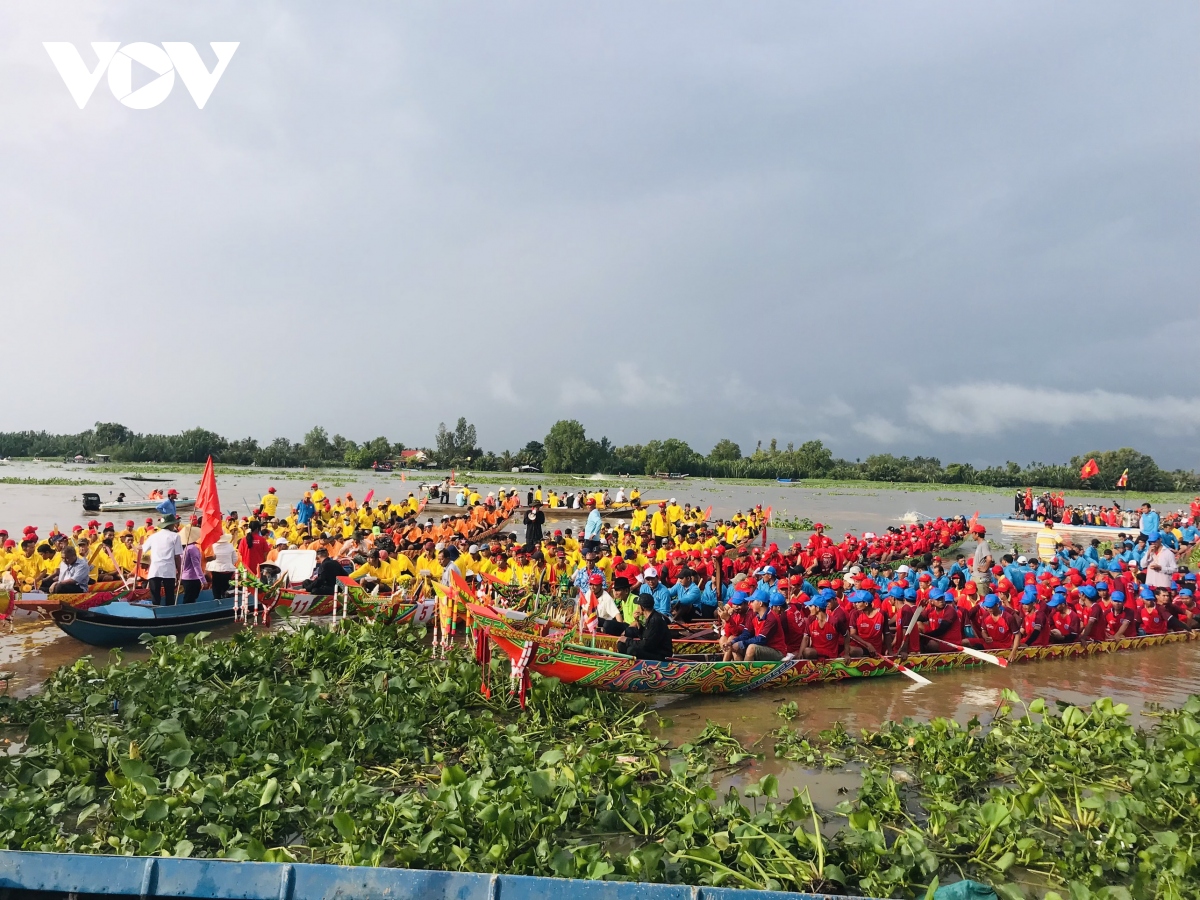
x=782 y=605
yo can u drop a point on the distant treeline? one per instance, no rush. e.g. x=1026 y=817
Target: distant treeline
x=568 y=450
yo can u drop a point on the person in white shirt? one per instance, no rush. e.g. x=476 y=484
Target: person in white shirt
x=223 y=565
x=166 y=560
x=1158 y=562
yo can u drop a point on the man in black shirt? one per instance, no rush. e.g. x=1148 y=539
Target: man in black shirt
x=325 y=577
x=653 y=639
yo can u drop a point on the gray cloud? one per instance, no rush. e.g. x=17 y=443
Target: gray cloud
x=744 y=220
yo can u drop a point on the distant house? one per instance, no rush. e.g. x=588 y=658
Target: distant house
x=413 y=457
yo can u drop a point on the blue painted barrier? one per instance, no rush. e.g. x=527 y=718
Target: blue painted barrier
x=215 y=879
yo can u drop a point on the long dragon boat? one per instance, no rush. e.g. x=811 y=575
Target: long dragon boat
x=555 y=657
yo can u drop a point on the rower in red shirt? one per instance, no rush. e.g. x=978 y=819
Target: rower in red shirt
x=904 y=615
x=1123 y=620
x=993 y=628
x=1035 y=628
x=1093 y=622
x=1156 y=613
x=822 y=640
x=867 y=625
x=944 y=622
x=1064 y=623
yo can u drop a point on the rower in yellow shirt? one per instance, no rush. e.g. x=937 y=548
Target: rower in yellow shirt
x=269 y=503
x=660 y=525
x=318 y=496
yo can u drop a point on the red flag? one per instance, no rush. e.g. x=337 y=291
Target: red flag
x=707 y=513
x=371 y=493
x=1090 y=468
x=209 y=504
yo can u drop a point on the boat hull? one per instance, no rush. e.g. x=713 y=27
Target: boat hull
x=102 y=630
x=1032 y=527
x=624 y=674
x=149 y=506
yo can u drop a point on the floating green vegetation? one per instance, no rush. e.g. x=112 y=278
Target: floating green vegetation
x=790 y=524
x=69 y=482
x=353 y=746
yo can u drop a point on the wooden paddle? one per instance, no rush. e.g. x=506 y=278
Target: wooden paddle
x=921 y=680
x=971 y=651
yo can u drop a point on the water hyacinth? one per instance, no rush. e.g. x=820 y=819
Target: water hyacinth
x=353 y=746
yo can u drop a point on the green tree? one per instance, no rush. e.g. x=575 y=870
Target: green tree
x=671 y=455
x=317 y=448
x=568 y=448
x=726 y=451
x=457 y=446
x=110 y=434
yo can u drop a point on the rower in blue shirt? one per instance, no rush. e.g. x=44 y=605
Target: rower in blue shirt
x=656 y=589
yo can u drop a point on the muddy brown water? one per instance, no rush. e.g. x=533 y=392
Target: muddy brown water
x=1163 y=676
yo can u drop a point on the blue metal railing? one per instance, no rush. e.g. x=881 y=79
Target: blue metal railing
x=215 y=879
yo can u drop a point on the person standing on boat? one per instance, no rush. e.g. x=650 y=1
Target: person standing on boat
x=269 y=503
x=253 y=548
x=167 y=506
x=306 y=510
x=534 y=520
x=166 y=560
x=223 y=565
x=1158 y=562
x=1149 y=521
x=191 y=573
x=592 y=527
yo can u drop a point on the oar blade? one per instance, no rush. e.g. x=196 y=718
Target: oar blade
x=986 y=657
x=918 y=679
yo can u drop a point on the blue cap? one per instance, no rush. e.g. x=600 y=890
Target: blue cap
x=1028 y=599
x=1056 y=600
x=910 y=593
x=777 y=599
x=738 y=598
x=1060 y=591
x=1152 y=537
x=897 y=593
x=1117 y=597
x=1186 y=592
x=769 y=570
x=818 y=602
x=1088 y=591
x=1190 y=576
x=990 y=601
x=861 y=597
x=760 y=597
x=827 y=594
x=937 y=594
x=1146 y=593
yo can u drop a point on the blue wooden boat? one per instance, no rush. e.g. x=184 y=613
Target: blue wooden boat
x=67 y=874
x=119 y=623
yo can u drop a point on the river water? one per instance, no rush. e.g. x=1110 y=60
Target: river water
x=1165 y=675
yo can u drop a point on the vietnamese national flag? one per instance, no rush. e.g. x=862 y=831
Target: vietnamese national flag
x=209 y=504
x=1090 y=469
x=1123 y=481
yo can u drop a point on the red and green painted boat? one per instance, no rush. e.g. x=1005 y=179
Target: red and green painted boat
x=608 y=671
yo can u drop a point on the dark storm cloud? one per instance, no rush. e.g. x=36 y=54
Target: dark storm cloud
x=960 y=229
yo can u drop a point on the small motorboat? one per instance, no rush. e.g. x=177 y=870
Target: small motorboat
x=120 y=623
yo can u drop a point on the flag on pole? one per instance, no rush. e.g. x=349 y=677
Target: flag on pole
x=1090 y=469
x=370 y=494
x=1123 y=481
x=209 y=504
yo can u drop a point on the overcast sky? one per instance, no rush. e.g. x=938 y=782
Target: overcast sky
x=970 y=230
